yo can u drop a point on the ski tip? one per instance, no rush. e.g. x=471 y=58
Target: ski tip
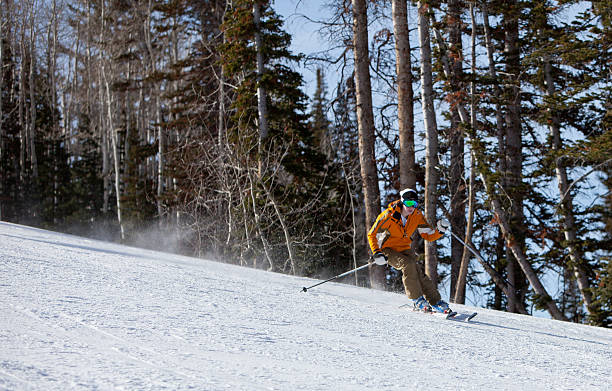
x=304 y=289
x=451 y=315
x=472 y=316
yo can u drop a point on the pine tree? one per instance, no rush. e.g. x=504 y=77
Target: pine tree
x=318 y=116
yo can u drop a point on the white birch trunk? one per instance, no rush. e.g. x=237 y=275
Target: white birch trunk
x=365 y=116
x=431 y=134
x=405 y=97
x=101 y=122
x=23 y=122
x=32 y=127
x=460 y=288
x=262 y=108
x=517 y=251
x=566 y=207
x=116 y=157
x=161 y=146
x=2 y=176
x=365 y=123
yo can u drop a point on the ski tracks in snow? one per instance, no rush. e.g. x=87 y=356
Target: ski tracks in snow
x=85 y=315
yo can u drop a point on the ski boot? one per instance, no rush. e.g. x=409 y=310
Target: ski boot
x=442 y=306
x=421 y=304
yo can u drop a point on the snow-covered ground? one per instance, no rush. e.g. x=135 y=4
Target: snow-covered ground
x=81 y=314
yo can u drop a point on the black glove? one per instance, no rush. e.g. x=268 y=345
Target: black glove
x=380 y=258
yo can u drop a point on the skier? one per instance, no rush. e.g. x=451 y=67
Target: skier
x=390 y=242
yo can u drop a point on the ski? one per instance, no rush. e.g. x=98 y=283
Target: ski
x=461 y=317
x=452 y=315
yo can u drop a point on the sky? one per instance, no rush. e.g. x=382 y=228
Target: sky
x=81 y=314
x=304 y=32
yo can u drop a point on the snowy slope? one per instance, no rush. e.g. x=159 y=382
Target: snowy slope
x=81 y=314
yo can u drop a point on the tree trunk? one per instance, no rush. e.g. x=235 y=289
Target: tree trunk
x=365 y=123
x=23 y=122
x=56 y=134
x=161 y=142
x=460 y=287
x=262 y=106
x=566 y=207
x=456 y=140
x=116 y=157
x=102 y=128
x=514 y=143
x=518 y=253
x=89 y=64
x=32 y=127
x=281 y=220
x=257 y=221
x=110 y=129
x=2 y=168
x=431 y=134
x=405 y=105
x=501 y=140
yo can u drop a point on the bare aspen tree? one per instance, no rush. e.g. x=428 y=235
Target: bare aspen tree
x=32 y=126
x=258 y=221
x=110 y=129
x=221 y=125
x=458 y=296
x=431 y=136
x=262 y=105
x=52 y=38
x=456 y=174
x=53 y=62
x=115 y=145
x=89 y=63
x=405 y=105
x=102 y=128
x=69 y=93
x=161 y=140
x=3 y=25
x=566 y=208
x=519 y=254
x=21 y=99
x=127 y=121
x=499 y=121
x=23 y=121
x=365 y=122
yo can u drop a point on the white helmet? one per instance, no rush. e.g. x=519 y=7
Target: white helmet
x=409 y=195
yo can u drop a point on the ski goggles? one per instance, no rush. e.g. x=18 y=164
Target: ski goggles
x=411 y=203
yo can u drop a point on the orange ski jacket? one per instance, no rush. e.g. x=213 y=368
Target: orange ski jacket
x=389 y=231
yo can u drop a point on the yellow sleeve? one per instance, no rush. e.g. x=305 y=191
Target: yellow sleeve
x=381 y=221
x=426 y=231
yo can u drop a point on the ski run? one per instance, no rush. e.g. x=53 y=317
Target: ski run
x=79 y=314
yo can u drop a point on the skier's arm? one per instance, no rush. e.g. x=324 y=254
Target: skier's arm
x=380 y=223
x=426 y=231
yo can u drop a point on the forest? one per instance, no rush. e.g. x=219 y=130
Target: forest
x=186 y=126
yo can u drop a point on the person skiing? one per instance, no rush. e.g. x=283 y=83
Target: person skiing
x=390 y=242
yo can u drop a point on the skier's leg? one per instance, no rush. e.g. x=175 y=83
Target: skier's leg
x=406 y=262
x=429 y=288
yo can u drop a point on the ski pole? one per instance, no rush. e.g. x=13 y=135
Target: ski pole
x=305 y=289
x=484 y=263
x=468 y=247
